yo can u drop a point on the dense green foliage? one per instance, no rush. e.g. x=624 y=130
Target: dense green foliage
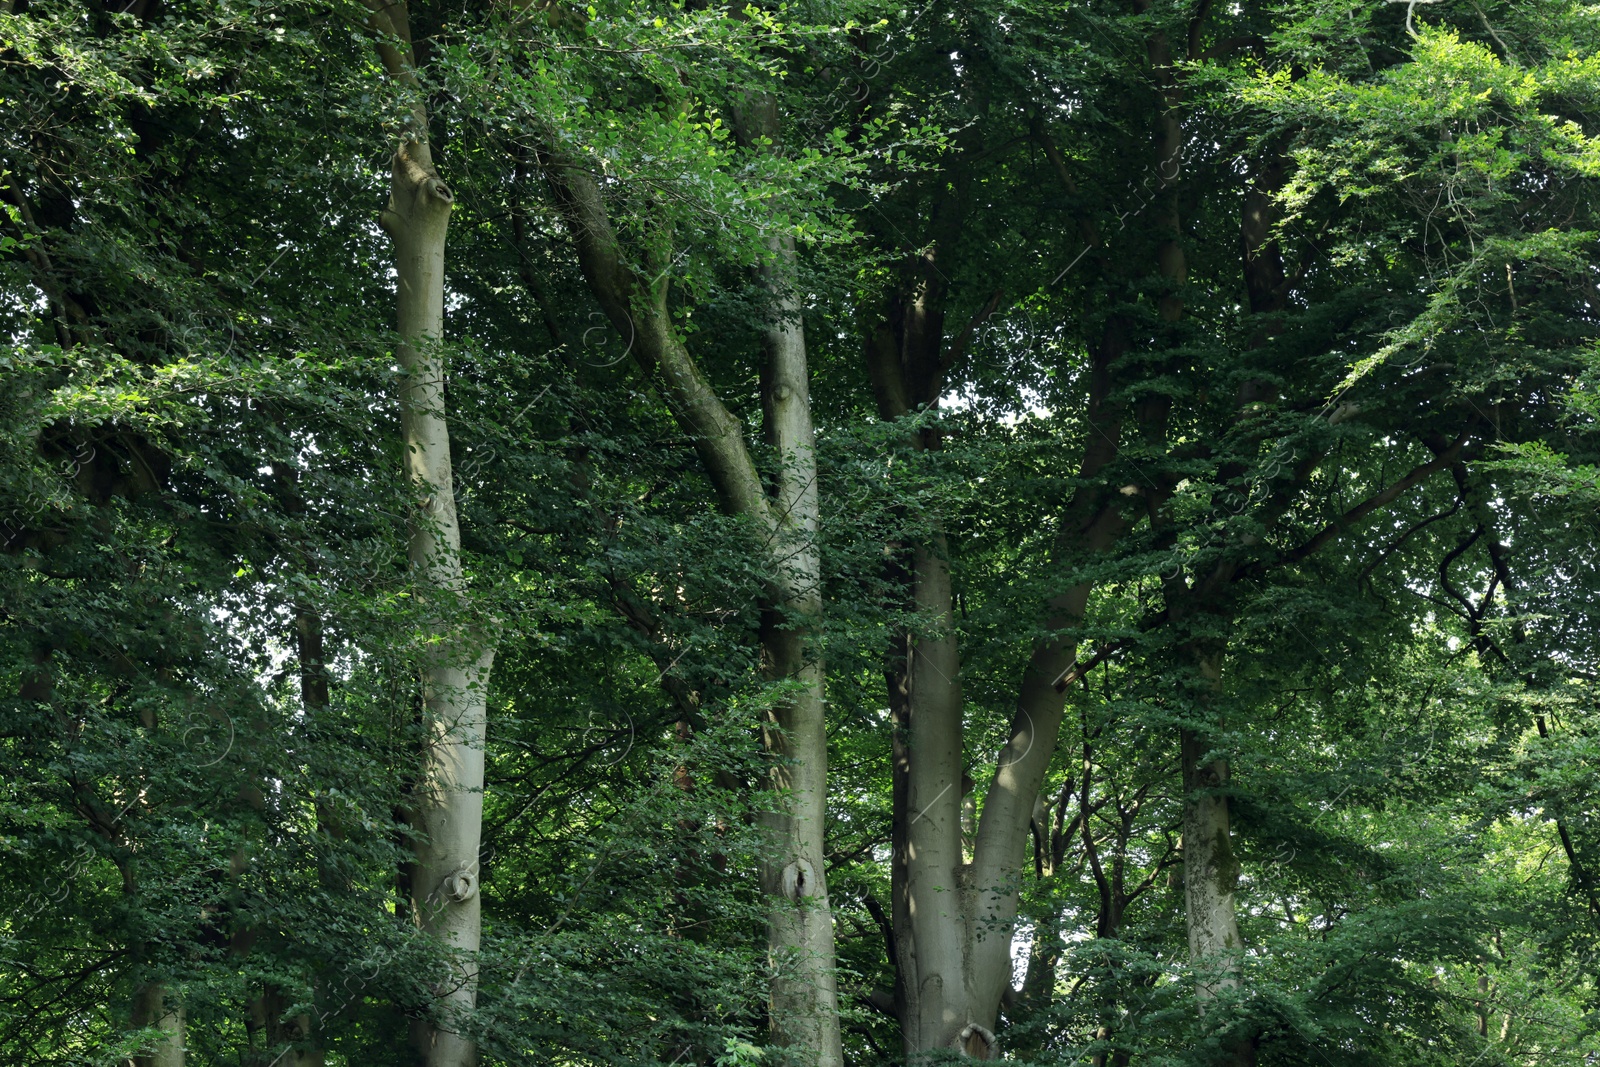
x=1345 y=350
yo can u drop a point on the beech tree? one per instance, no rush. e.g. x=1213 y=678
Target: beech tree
x=448 y=795
x=1000 y=533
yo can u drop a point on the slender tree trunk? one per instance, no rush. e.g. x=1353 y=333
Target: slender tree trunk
x=805 y=1007
x=299 y=1032
x=1044 y=960
x=449 y=800
x=151 y=1006
x=154 y=1005
x=1210 y=872
x=448 y=807
x=902 y=950
x=291 y=1042
x=933 y=890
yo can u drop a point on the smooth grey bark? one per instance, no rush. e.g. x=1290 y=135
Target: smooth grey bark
x=154 y=1008
x=1210 y=872
x=448 y=802
x=954 y=921
x=804 y=1000
x=932 y=884
x=804 y=1005
x=937 y=882
x=934 y=914
x=804 y=996
x=954 y=961
x=1210 y=869
x=1091 y=525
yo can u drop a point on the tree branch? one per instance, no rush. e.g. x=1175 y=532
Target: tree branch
x=1080 y=668
x=1386 y=496
x=637 y=307
x=958 y=347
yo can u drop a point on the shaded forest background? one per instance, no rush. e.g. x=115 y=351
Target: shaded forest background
x=1050 y=531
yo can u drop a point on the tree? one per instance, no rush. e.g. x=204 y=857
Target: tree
x=448 y=795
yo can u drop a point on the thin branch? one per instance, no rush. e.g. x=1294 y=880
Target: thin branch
x=958 y=347
x=1393 y=546
x=884 y=926
x=1377 y=500
x=1080 y=668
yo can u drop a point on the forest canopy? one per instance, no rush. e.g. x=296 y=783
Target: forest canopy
x=823 y=533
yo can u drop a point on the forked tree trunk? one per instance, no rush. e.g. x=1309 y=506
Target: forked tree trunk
x=448 y=807
x=931 y=882
x=804 y=1001
x=954 y=937
x=953 y=920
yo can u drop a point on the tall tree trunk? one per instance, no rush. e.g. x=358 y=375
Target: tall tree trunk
x=448 y=807
x=938 y=883
x=805 y=1009
x=1210 y=869
x=954 y=920
x=931 y=881
x=292 y=1042
x=1211 y=872
x=804 y=1000
x=1001 y=851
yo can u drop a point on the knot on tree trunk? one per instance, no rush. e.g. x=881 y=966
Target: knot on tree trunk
x=977 y=1042
x=439 y=190
x=461 y=886
x=799 y=880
